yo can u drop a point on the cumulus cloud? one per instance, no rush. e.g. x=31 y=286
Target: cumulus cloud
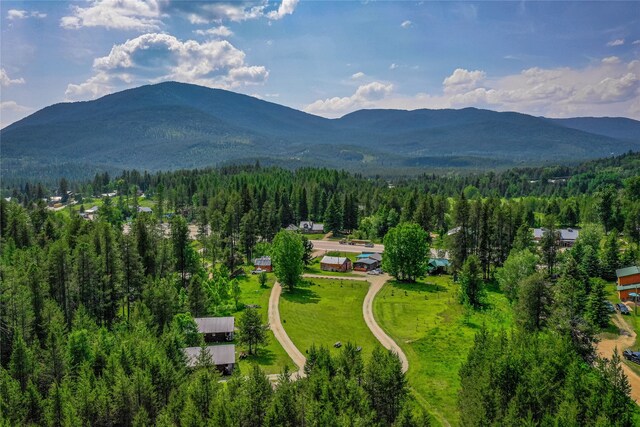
x=365 y=96
x=358 y=75
x=154 y=57
x=393 y=66
x=605 y=88
x=147 y=15
x=220 y=31
x=636 y=42
x=13 y=14
x=406 y=24
x=463 y=80
x=5 y=80
x=617 y=42
x=11 y=111
x=137 y=15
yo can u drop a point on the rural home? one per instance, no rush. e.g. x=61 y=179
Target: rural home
x=365 y=264
x=216 y=328
x=311 y=227
x=438 y=265
x=628 y=282
x=222 y=356
x=263 y=263
x=568 y=236
x=334 y=263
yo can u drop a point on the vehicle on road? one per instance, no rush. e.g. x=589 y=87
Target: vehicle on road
x=610 y=307
x=343 y=242
x=368 y=245
x=622 y=308
x=633 y=356
x=373 y=272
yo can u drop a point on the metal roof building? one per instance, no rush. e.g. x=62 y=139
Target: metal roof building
x=215 y=325
x=220 y=354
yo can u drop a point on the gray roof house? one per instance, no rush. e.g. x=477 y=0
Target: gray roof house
x=568 y=236
x=216 y=328
x=223 y=356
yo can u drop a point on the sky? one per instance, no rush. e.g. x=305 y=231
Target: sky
x=557 y=59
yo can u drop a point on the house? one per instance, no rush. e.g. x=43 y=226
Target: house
x=438 y=265
x=628 y=282
x=144 y=209
x=216 y=328
x=311 y=227
x=92 y=210
x=292 y=227
x=263 y=263
x=366 y=264
x=222 y=356
x=335 y=263
x=568 y=236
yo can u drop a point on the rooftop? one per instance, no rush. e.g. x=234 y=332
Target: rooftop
x=334 y=260
x=263 y=261
x=220 y=354
x=215 y=325
x=627 y=271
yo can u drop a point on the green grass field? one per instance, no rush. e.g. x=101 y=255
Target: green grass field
x=434 y=331
x=271 y=358
x=323 y=311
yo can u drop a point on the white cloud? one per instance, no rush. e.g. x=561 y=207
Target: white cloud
x=365 y=96
x=606 y=88
x=617 y=42
x=13 y=14
x=406 y=24
x=463 y=80
x=220 y=31
x=137 y=15
x=611 y=60
x=393 y=66
x=286 y=8
x=5 y=80
x=358 y=75
x=636 y=42
x=154 y=57
x=11 y=111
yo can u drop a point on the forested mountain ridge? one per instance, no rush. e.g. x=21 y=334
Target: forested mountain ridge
x=176 y=125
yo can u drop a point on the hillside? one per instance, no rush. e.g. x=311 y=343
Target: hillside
x=176 y=125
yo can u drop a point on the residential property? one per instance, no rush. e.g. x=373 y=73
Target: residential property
x=216 y=328
x=311 y=227
x=263 y=263
x=292 y=227
x=334 y=263
x=367 y=261
x=144 y=209
x=568 y=236
x=438 y=265
x=628 y=282
x=222 y=356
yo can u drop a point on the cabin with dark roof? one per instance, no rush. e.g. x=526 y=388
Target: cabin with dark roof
x=222 y=356
x=216 y=329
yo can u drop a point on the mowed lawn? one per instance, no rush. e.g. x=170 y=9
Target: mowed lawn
x=324 y=311
x=429 y=324
x=271 y=358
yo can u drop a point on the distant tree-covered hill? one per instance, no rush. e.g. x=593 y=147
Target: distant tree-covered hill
x=176 y=125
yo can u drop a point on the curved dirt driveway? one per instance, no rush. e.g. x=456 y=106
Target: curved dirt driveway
x=605 y=348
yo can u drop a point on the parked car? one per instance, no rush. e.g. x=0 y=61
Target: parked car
x=373 y=272
x=622 y=308
x=257 y=271
x=610 y=307
x=633 y=356
x=368 y=245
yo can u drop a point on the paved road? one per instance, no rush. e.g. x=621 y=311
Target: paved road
x=281 y=335
x=333 y=245
x=605 y=349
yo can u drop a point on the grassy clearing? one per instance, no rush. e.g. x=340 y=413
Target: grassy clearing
x=323 y=311
x=271 y=358
x=436 y=333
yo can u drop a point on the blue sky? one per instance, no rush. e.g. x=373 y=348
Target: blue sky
x=557 y=59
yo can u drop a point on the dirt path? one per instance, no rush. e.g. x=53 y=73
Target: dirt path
x=626 y=340
x=367 y=312
x=281 y=335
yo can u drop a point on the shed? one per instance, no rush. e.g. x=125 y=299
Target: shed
x=334 y=263
x=216 y=328
x=438 y=265
x=222 y=356
x=628 y=281
x=263 y=263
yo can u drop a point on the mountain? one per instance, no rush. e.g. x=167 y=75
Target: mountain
x=176 y=125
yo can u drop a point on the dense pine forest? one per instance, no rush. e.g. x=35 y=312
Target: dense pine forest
x=94 y=314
